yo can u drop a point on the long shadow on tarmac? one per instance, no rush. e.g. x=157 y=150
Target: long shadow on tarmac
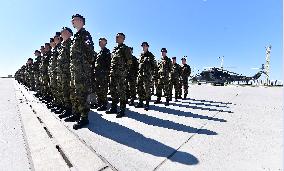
x=199 y=107
x=130 y=138
x=150 y=120
x=209 y=101
x=204 y=104
x=182 y=113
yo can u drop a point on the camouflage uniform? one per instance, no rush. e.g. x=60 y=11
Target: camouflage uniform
x=164 y=69
x=82 y=53
x=37 y=73
x=185 y=73
x=64 y=75
x=154 y=82
x=53 y=74
x=146 y=68
x=120 y=63
x=45 y=77
x=132 y=79
x=101 y=73
x=175 y=80
x=22 y=74
x=30 y=76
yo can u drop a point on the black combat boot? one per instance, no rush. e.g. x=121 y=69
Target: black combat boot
x=167 y=102
x=102 y=108
x=81 y=123
x=121 y=113
x=112 y=110
x=49 y=105
x=158 y=101
x=140 y=104
x=184 y=96
x=131 y=103
x=73 y=118
x=176 y=99
x=59 y=110
x=146 y=105
x=94 y=106
x=67 y=113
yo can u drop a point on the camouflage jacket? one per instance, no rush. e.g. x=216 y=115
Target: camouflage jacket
x=134 y=68
x=176 y=71
x=121 y=60
x=164 y=67
x=147 y=64
x=45 y=62
x=53 y=61
x=185 y=71
x=83 y=46
x=64 y=58
x=103 y=62
x=37 y=65
x=82 y=57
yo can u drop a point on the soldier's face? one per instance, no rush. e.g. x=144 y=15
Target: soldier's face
x=77 y=22
x=56 y=40
x=102 y=43
x=65 y=34
x=119 y=39
x=42 y=50
x=37 y=53
x=52 y=44
x=164 y=54
x=174 y=61
x=145 y=48
x=183 y=62
x=46 y=48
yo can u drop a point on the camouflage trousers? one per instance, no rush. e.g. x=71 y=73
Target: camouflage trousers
x=154 y=85
x=64 y=90
x=37 y=82
x=175 y=83
x=101 y=85
x=118 y=90
x=45 y=85
x=131 y=87
x=54 y=88
x=144 y=88
x=184 y=83
x=79 y=94
x=31 y=82
x=163 y=84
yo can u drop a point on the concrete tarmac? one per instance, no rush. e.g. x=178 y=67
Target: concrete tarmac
x=215 y=128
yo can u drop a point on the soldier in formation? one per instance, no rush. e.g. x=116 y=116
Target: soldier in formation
x=67 y=70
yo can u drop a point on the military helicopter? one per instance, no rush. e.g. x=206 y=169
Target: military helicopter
x=220 y=76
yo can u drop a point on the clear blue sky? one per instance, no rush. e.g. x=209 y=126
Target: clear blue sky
x=200 y=29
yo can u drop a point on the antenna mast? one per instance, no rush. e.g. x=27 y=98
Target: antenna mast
x=267 y=63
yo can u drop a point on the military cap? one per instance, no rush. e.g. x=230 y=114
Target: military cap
x=41 y=46
x=79 y=16
x=183 y=59
x=30 y=59
x=47 y=44
x=102 y=38
x=120 y=34
x=145 y=43
x=37 y=51
x=164 y=50
x=51 y=40
x=68 y=29
x=57 y=34
x=174 y=57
